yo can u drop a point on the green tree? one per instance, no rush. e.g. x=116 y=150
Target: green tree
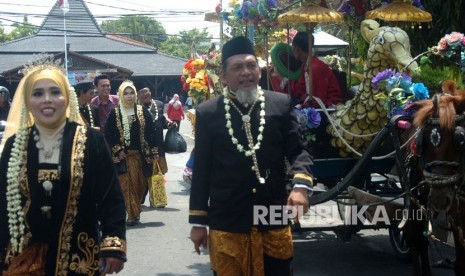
x=138 y=27
x=448 y=16
x=186 y=43
x=20 y=30
x=3 y=35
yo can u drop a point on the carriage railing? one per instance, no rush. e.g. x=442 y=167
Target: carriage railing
x=337 y=128
x=391 y=129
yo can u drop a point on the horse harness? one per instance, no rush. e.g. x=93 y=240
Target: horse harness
x=436 y=180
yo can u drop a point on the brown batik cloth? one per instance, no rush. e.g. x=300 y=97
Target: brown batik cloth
x=233 y=254
x=31 y=262
x=133 y=183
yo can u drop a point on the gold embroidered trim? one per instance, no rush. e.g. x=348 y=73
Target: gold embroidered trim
x=144 y=145
x=198 y=213
x=119 y=125
x=77 y=176
x=88 y=264
x=116 y=149
x=304 y=177
x=113 y=243
x=47 y=175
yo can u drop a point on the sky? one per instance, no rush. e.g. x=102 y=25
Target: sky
x=172 y=14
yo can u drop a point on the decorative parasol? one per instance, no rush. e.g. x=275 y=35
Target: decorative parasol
x=400 y=11
x=309 y=14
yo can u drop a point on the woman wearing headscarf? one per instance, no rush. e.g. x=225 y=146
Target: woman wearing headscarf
x=129 y=132
x=175 y=111
x=61 y=207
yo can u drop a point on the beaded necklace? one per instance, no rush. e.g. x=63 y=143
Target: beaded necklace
x=90 y=115
x=247 y=127
x=156 y=110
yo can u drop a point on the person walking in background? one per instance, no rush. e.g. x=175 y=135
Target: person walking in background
x=4 y=103
x=104 y=101
x=175 y=111
x=242 y=139
x=189 y=103
x=159 y=165
x=131 y=136
x=89 y=112
x=59 y=191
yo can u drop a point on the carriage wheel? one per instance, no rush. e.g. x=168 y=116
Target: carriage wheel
x=399 y=242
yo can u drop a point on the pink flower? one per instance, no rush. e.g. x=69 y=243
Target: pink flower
x=442 y=44
x=453 y=38
x=463 y=41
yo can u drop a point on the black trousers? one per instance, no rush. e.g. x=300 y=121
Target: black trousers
x=275 y=267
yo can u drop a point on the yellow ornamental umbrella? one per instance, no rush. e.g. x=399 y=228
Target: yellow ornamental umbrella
x=309 y=14
x=400 y=11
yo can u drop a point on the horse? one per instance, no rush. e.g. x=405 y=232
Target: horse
x=436 y=168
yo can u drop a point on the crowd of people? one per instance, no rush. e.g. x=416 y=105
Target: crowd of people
x=95 y=158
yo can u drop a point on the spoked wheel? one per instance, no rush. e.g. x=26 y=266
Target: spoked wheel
x=399 y=242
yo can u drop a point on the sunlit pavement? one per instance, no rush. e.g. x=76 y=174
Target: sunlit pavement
x=159 y=245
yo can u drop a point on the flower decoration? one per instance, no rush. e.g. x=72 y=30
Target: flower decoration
x=282 y=36
x=260 y=13
x=195 y=80
x=336 y=62
x=313 y=117
x=401 y=91
x=309 y=119
x=452 y=46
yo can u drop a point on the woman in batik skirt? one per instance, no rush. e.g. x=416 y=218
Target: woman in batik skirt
x=129 y=132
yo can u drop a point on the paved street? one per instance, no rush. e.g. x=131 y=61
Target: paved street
x=160 y=246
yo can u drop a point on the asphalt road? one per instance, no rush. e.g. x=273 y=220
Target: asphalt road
x=160 y=246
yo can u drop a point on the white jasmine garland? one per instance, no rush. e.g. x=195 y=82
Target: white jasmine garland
x=74 y=113
x=156 y=110
x=90 y=115
x=261 y=127
x=16 y=224
x=251 y=152
x=126 y=129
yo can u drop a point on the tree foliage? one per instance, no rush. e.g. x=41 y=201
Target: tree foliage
x=187 y=43
x=21 y=29
x=138 y=27
x=448 y=16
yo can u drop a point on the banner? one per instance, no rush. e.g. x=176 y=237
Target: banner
x=64 y=6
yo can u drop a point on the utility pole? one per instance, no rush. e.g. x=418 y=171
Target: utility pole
x=221 y=26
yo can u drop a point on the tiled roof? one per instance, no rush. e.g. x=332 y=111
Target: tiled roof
x=79 y=21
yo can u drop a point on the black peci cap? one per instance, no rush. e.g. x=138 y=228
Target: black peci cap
x=237 y=46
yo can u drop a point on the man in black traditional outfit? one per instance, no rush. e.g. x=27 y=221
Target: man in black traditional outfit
x=241 y=141
x=161 y=122
x=89 y=112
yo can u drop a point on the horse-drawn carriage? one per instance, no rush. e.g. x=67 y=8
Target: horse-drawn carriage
x=405 y=175
x=358 y=185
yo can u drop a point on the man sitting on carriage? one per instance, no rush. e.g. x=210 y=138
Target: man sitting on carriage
x=325 y=85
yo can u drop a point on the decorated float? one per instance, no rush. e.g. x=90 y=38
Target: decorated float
x=360 y=147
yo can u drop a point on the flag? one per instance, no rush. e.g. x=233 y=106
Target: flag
x=64 y=6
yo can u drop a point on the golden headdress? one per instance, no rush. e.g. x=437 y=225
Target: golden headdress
x=20 y=115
